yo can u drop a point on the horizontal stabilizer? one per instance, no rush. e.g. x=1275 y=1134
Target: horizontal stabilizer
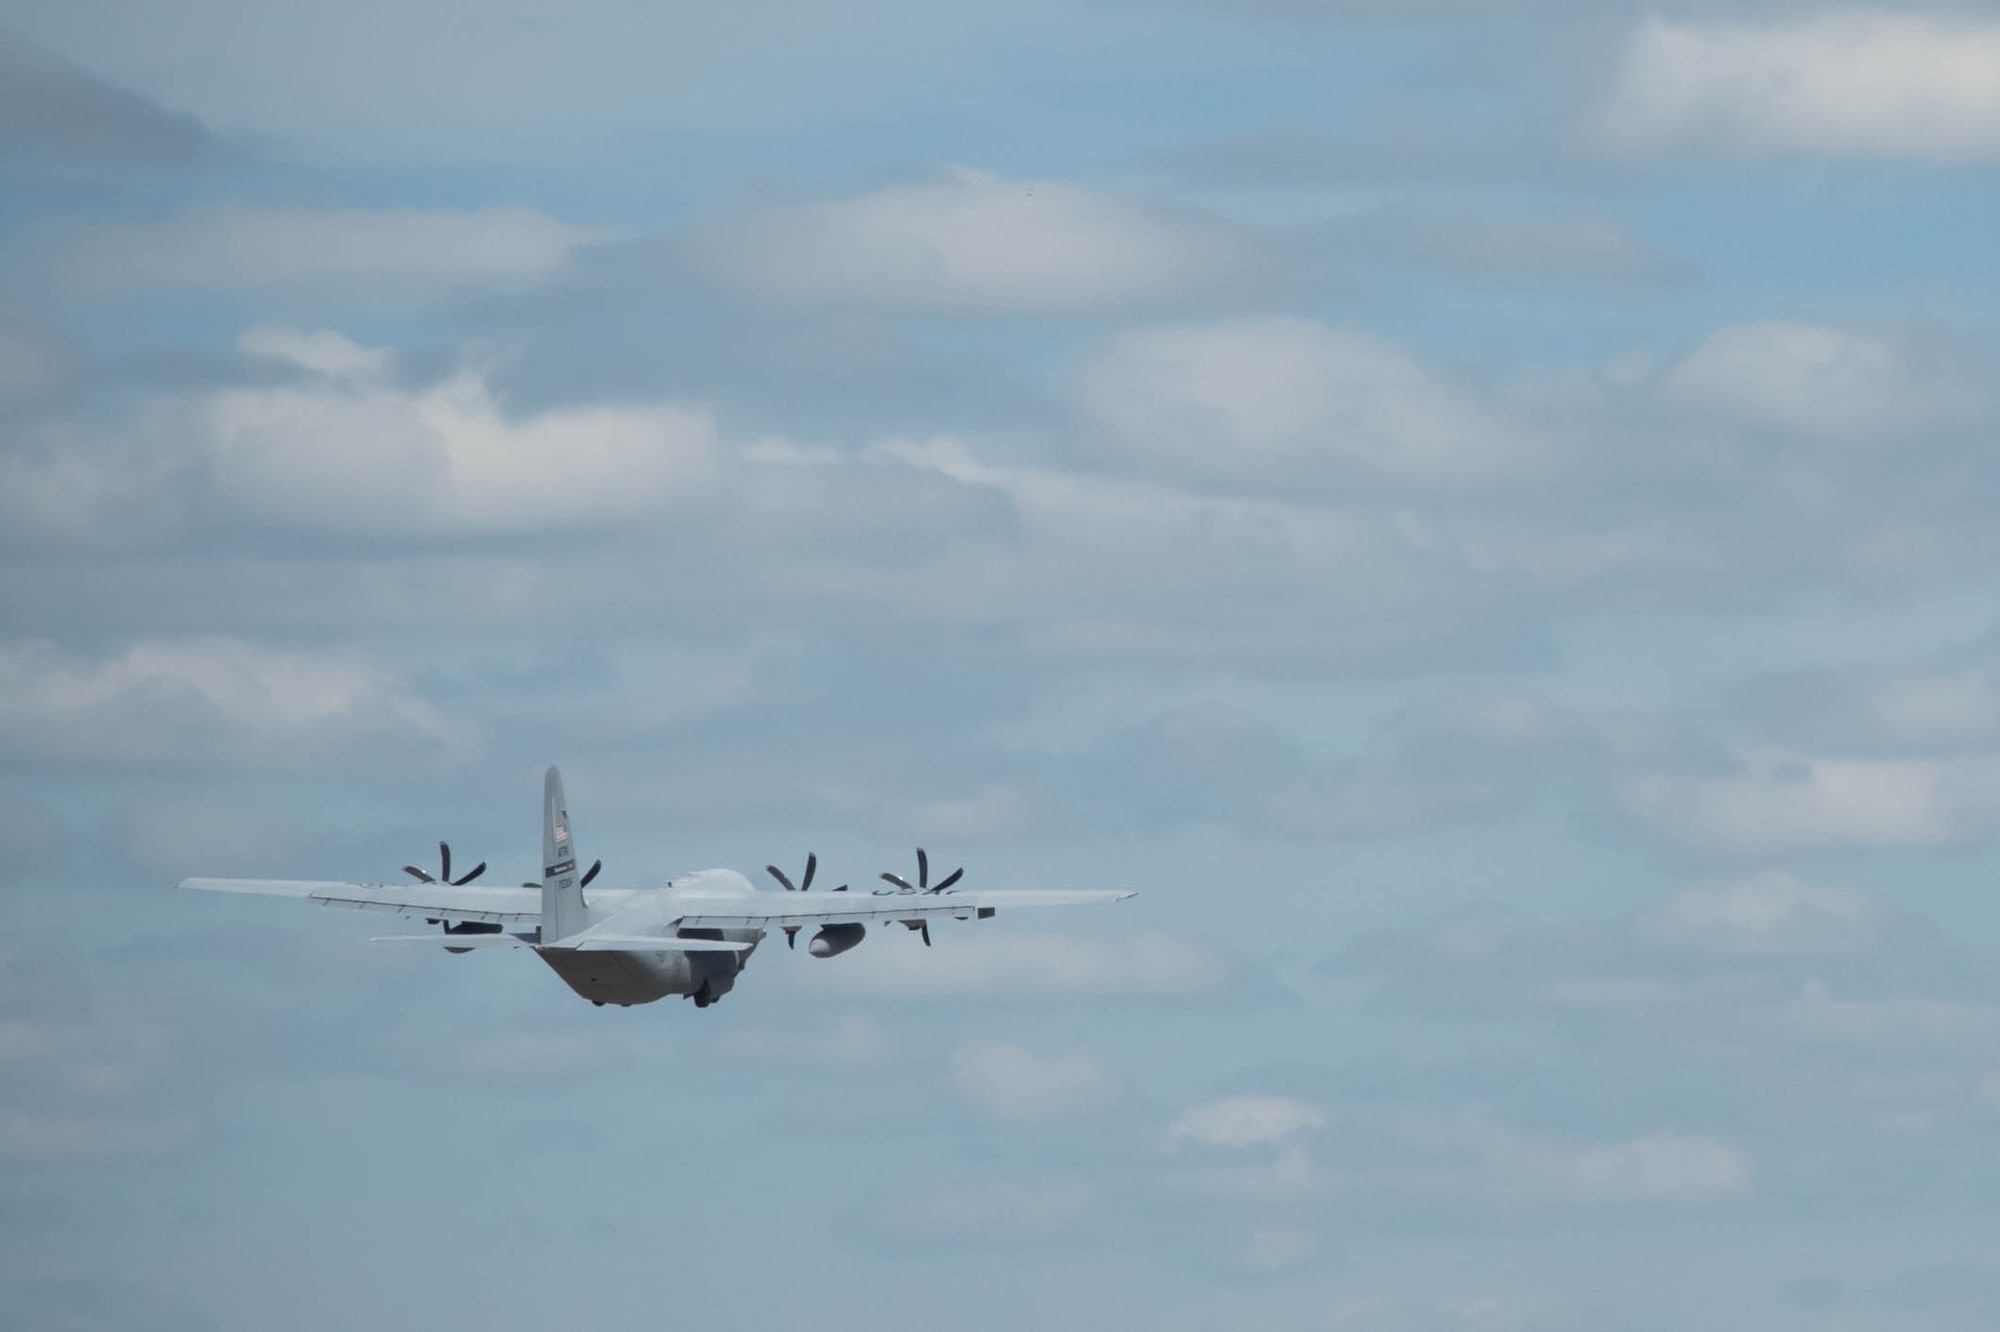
x=458 y=940
x=646 y=943
x=588 y=943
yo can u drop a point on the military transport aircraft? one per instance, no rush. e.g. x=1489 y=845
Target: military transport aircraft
x=634 y=945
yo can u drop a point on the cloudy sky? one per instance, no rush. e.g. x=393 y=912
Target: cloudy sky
x=1485 y=511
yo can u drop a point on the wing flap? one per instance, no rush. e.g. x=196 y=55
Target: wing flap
x=263 y=887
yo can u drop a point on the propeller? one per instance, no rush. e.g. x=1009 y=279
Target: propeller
x=590 y=874
x=922 y=886
x=805 y=880
x=805 y=883
x=923 y=883
x=444 y=875
x=444 y=869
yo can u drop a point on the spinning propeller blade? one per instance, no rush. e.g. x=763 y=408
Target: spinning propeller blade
x=805 y=883
x=444 y=866
x=922 y=886
x=923 y=883
x=444 y=870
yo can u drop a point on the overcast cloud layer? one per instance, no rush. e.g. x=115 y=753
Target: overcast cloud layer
x=1487 y=515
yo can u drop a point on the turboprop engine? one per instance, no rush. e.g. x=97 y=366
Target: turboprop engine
x=833 y=939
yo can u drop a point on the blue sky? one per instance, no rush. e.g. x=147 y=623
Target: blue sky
x=1484 y=513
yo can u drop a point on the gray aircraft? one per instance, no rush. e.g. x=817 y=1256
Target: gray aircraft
x=627 y=946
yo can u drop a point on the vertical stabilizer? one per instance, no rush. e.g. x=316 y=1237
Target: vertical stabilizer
x=562 y=896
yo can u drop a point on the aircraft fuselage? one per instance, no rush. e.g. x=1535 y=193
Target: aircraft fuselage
x=642 y=977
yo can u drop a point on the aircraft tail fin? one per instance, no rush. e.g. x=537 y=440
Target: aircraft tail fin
x=562 y=894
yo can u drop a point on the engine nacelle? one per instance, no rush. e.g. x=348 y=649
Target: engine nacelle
x=468 y=927
x=833 y=939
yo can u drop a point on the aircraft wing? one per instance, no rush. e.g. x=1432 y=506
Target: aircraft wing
x=433 y=901
x=761 y=910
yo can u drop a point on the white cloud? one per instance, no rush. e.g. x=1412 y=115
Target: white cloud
x=1897 y=1024
x=1131 y=566
x=1934 y=708
x=1289 y=1173
x=991 y=963
x=1269 y=1250
x=1285 y=401
x=1461 y=1313
x=1657 y=1168
x=33 y=363
x=1883 y=711
x=1007 y=1212
x=531 y=1056
x=340 y=446
x=326 y=352
x=77 y=491
x=1467 y=1156
x=211 y=700
x=350 y=450
x=1106 y=564
x=1778 y=803
x=1767 y=915
x=1872 y=83
x=1010 y=1084
x=855 y=1040
x=1236 y=1123
x=1767 y=973
x=1056 y=503
x=224 y=834
x=65 y=1079
x=1662 y=1168
x=237 y=246
x=1816 y=381
x=1553 y=249
x=1243 y=1121
x=775 y=452
x=89 y=1137
x=969 y=241
x=100 y=1055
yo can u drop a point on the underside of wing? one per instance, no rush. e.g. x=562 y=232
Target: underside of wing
x=432 y=901
x=770 y=909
